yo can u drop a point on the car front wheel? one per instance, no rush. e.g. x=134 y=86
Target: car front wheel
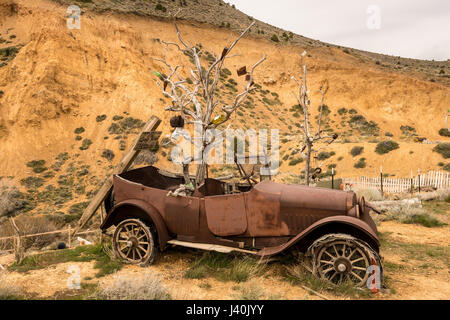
x=134 y=242
x=342 y=258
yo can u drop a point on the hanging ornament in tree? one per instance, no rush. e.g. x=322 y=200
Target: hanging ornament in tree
x=224 y=53
x=162 y=77
x=242 y=71
x=218 y=119
x=159 y=75
x=177 y=122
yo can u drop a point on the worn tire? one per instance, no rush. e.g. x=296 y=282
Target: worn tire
x=134 y=242
x=341 y=257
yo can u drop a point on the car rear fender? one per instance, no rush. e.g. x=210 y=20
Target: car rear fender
x=335 y=224
x=141 y=210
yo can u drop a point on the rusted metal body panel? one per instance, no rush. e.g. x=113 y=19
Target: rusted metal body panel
x=345 y=220
x=226 y=214
x=270 y=217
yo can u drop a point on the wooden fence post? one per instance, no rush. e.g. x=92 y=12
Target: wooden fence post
x=18 y=247
x=418 y=178
x=381 y=179
x=70 y=237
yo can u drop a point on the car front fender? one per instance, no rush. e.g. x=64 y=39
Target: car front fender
x=134 y=208
x=335 y=224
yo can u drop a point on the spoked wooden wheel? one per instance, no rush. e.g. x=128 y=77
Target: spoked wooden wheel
x=343 y=260
x=134 y=243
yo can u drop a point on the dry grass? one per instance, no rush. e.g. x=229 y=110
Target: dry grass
x=252 y=291
x=8 y=289
x=9 y=197
x=145 y=286
x=225 y=267
x=412 y=215
x=31 y=225
x=369 y=194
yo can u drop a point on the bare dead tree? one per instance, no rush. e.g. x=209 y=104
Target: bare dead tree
x=310 y=138
x=200 y=94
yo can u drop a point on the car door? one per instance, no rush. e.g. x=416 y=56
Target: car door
x=181 y=214
x=226 y=214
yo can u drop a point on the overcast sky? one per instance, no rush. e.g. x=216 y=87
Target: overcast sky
x=408 y=28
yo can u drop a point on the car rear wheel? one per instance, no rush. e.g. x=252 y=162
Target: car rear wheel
x=342 y=258
x=134 y=242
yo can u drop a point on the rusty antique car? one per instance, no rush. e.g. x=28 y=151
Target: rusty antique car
x=264 y=219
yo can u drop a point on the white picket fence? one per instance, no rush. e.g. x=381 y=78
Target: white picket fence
x=431 y=179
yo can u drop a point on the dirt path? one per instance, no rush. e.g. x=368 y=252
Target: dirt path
x=417 y=234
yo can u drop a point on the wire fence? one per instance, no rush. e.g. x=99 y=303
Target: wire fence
x=68 y=230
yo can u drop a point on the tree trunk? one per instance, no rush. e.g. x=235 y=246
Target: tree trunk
x=308 y=160
x=187 y=179
x=200 y=175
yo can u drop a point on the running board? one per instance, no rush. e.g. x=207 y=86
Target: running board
x=210 y=247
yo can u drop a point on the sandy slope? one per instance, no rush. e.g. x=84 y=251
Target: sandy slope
x=62 y=79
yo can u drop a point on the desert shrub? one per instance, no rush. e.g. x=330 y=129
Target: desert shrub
x=408 y=131
x=443 y=149
x=32 y=182
x=323 y=155
x=108 y=154
x=143 y=286
x=9 y=52
x=388 y=134
x=127 y=125
x=386 y=146
x=293 y=162
x=100 y=118
x=85 y=144
x=274 y=38
x=37 y=166
x=250 y=292
x=115 y=129
x=444 y=132
x=160 y=7
x=342 y=111
x=325 y=110
x=358 y=121
x=356 y=151
x=79 y=130
x=145 y=157
x=413 y=215
x=370 y=194
x=11 y=199
x=446 y=167
x=77 y=208
x=360 y=164
x=63 y=157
